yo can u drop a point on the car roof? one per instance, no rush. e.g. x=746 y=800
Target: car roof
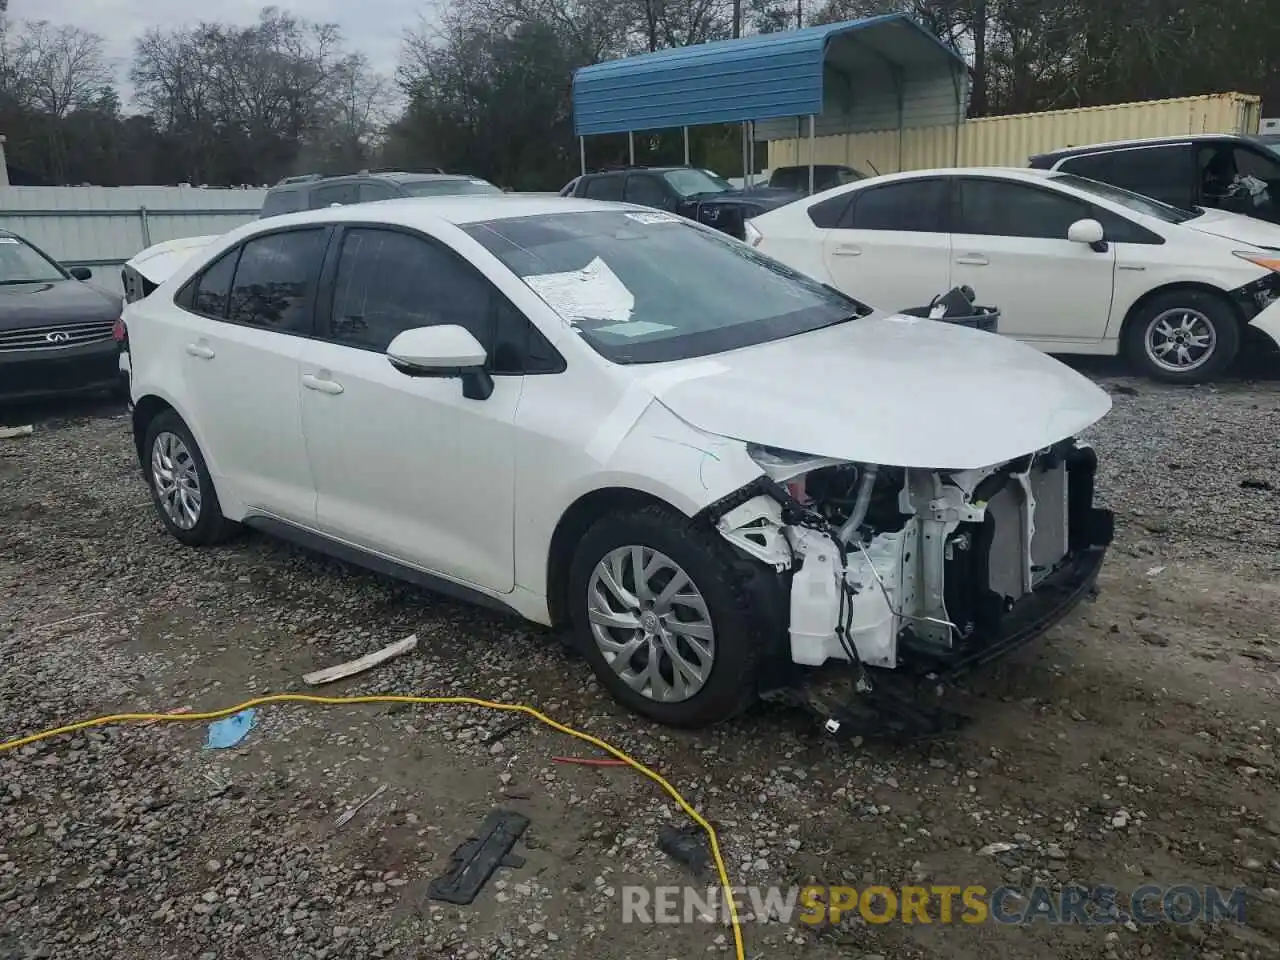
x=394 y=176
x=1140 y=142
x=1010 y=173
x=423 y=212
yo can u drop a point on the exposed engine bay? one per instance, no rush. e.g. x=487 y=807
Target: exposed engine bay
x=882 y=560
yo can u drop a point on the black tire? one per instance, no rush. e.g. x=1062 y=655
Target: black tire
x=211 y=527
x=740 y=596
x=1202 y=307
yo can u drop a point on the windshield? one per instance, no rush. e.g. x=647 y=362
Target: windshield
x=645 y=287
x=21 y=263
x=1132 y=201
x=689 y=182
x=448 y=188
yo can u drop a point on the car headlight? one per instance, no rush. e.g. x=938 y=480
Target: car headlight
x=751 y=234
x=1267 y=262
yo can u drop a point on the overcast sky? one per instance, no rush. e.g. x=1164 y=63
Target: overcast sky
x=373 y=27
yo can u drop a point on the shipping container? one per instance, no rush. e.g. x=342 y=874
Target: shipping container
x=1011 y=140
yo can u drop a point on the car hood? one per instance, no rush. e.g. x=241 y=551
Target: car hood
x=53 y=304
x=158 y=262
x=1236 y=226
x=897 y=391
x=767 y=197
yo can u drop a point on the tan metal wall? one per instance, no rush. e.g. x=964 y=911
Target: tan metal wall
x=1011 y=140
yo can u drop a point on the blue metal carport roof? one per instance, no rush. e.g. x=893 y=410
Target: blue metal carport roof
x=763 y=77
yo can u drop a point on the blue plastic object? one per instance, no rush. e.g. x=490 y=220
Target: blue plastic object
x=229 y=731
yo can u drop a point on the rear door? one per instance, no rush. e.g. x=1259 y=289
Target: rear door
x=891 y=248
x=1011 y=247
x=246 y=320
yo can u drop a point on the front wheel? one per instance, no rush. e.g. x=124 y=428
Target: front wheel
x=669 y=617
x=1183 y=336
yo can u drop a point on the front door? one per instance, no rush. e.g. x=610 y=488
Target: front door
x=1010 y=245
x=891 y=249
x=407 y=467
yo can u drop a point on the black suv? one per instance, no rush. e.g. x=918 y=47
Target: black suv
x=311 y=191
x=1224 y=171
x=688 y=191
x=826 y=176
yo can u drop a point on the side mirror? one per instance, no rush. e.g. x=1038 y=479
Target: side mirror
x=1086 y=231
x=444 y=351
x=80 y=273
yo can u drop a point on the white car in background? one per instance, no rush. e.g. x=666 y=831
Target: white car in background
x=1074 y=266
x=545 y=406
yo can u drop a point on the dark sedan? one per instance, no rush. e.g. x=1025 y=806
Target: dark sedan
x=688 y=191
x=57 y=333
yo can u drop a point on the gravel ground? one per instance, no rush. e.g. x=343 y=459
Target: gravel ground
x=1136 y=743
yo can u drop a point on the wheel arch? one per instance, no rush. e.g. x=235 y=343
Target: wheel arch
x=145 y=410
x=573 y=525
x=1138 y=305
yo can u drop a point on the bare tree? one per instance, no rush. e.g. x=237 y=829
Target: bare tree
x=59 y=68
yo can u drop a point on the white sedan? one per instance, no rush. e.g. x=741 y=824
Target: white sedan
x=718 y=472
x=1074 y=266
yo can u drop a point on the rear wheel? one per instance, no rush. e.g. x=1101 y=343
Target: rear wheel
x=668 y=617
x=181 y=486
x=1183 y=336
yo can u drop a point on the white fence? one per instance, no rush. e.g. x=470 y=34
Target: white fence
x=102 y=227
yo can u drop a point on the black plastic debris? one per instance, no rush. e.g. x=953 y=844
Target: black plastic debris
x=475 y=861
x=687 y=845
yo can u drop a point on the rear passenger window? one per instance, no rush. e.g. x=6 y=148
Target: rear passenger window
x=911 y=206
x=604 y=188
x=828 y=214
x=1162 y=173
x=340 y=193
x=213 y=289
x=275 y=281
x=281 y=201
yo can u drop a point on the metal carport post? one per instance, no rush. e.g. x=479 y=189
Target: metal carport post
x=879 y=73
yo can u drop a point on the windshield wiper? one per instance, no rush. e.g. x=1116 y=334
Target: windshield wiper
x=14 y=283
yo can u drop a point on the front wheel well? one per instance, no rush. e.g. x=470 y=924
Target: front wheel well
x=1217 y=292
x=144 y=411
x=573 y=525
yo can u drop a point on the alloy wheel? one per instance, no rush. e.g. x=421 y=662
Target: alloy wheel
x=176 y=479
x=651 y=623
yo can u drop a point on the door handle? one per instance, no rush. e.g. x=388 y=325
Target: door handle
x=847 y=250
x=973 y=260
x=201 y=350
x=319 y=383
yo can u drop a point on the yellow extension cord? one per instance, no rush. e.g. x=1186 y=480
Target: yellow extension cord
x=542 y=718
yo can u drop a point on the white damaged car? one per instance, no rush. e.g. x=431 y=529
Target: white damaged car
x=723 y=476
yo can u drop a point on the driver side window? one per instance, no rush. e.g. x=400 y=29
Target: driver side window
x=389 y=281
x=996 y=208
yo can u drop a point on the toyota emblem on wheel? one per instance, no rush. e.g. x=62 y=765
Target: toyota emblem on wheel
x=58 y=336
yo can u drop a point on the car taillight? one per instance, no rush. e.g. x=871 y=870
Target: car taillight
x=118 y=332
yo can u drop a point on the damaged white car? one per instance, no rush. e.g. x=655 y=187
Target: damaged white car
x=724 y=477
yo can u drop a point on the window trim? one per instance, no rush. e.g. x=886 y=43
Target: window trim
x=326 y=294
x=183 y=299
x=848 y=220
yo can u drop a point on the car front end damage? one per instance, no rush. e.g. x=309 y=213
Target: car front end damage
x=934 y=571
